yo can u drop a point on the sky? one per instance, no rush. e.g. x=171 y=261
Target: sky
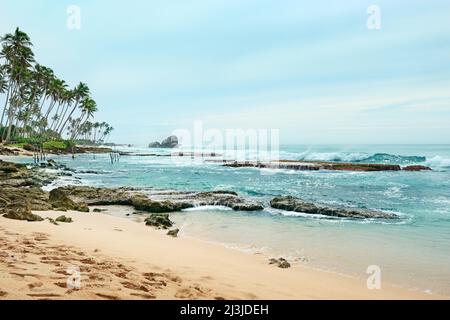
x=311 y=69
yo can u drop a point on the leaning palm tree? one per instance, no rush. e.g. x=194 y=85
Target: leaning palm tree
x=81 y=92
x=89 y=107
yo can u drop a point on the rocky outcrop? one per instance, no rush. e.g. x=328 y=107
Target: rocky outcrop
x=100 y=196
x=312 y=165
x=157 y=201
x=64 y=219
x=170 y=142
x=18 y=175
x=280 y=263
x=416 y=168
x=143 y=203
x=60 y=201
x=320 y=165
x=20 y=211
x=159 y=220
x=34 y=198
x=290 y=203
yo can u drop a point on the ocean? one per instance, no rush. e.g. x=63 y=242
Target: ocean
x=413 y=251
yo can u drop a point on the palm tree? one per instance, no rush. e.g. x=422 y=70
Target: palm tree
x=89 y=107
x=16 y=50
x=37 y=102
x=81 y=92
x=3 y=89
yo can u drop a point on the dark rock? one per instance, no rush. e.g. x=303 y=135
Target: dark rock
x=20 y=211
x=143 y=203
x=159 y=220
x=417 y=168
x=159 y=200
x=60 y=201
x=64 y=219
x=170 y=142
x=96 y=210
x=311 y=165
x=228 y=199
x=52 y=163
x=52 y=221
x=89 y=172
x=155 y=144
x=281 y=263
x=290 y=203
x=173 y=233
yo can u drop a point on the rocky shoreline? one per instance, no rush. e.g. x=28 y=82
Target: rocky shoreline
x=21 y=195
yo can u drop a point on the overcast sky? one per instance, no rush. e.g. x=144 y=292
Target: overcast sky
x=309 y=68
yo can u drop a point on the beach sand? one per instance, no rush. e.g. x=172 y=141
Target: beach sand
x=121 y=259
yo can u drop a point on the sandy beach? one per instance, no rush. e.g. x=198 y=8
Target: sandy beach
x=121 y=259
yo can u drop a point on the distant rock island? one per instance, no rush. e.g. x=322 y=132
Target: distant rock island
x=170 y=142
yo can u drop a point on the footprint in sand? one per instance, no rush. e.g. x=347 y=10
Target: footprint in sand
x=143 y=295
x=133 y=286
x=43 y=295
x=185 y=293
x=34 y=285
x=107 y=296
x=121 y=274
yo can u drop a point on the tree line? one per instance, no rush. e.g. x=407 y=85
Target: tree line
x=37 y=104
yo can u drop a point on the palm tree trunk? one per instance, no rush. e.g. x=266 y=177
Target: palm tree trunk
x=6 y=104
x=10 y=117
x=56 y=114
x=65 y=122
x=63 y=115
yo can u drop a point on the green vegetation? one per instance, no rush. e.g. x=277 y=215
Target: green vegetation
x=38 y=107
x=56 y=145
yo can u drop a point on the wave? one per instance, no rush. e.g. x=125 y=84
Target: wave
x=438 y=162
x=207 y=208
x=360 y=157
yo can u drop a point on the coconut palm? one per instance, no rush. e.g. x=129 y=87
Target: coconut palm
x=16 y=50
x=80 y=92
x=37 y=102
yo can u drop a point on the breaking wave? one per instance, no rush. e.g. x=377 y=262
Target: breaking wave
x=360 y=157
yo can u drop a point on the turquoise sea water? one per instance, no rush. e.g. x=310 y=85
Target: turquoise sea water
x=413 y=251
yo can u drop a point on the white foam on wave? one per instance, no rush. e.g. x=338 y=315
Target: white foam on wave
x=404 y=218
x=208 y=208
x=438 y=162
x=393 y=192
x=61 y=182
x=333 y=156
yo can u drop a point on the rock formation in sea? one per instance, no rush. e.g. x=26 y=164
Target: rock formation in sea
x=319 y=165
x=170 y=142
x=416 y=168
x=289 y=203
